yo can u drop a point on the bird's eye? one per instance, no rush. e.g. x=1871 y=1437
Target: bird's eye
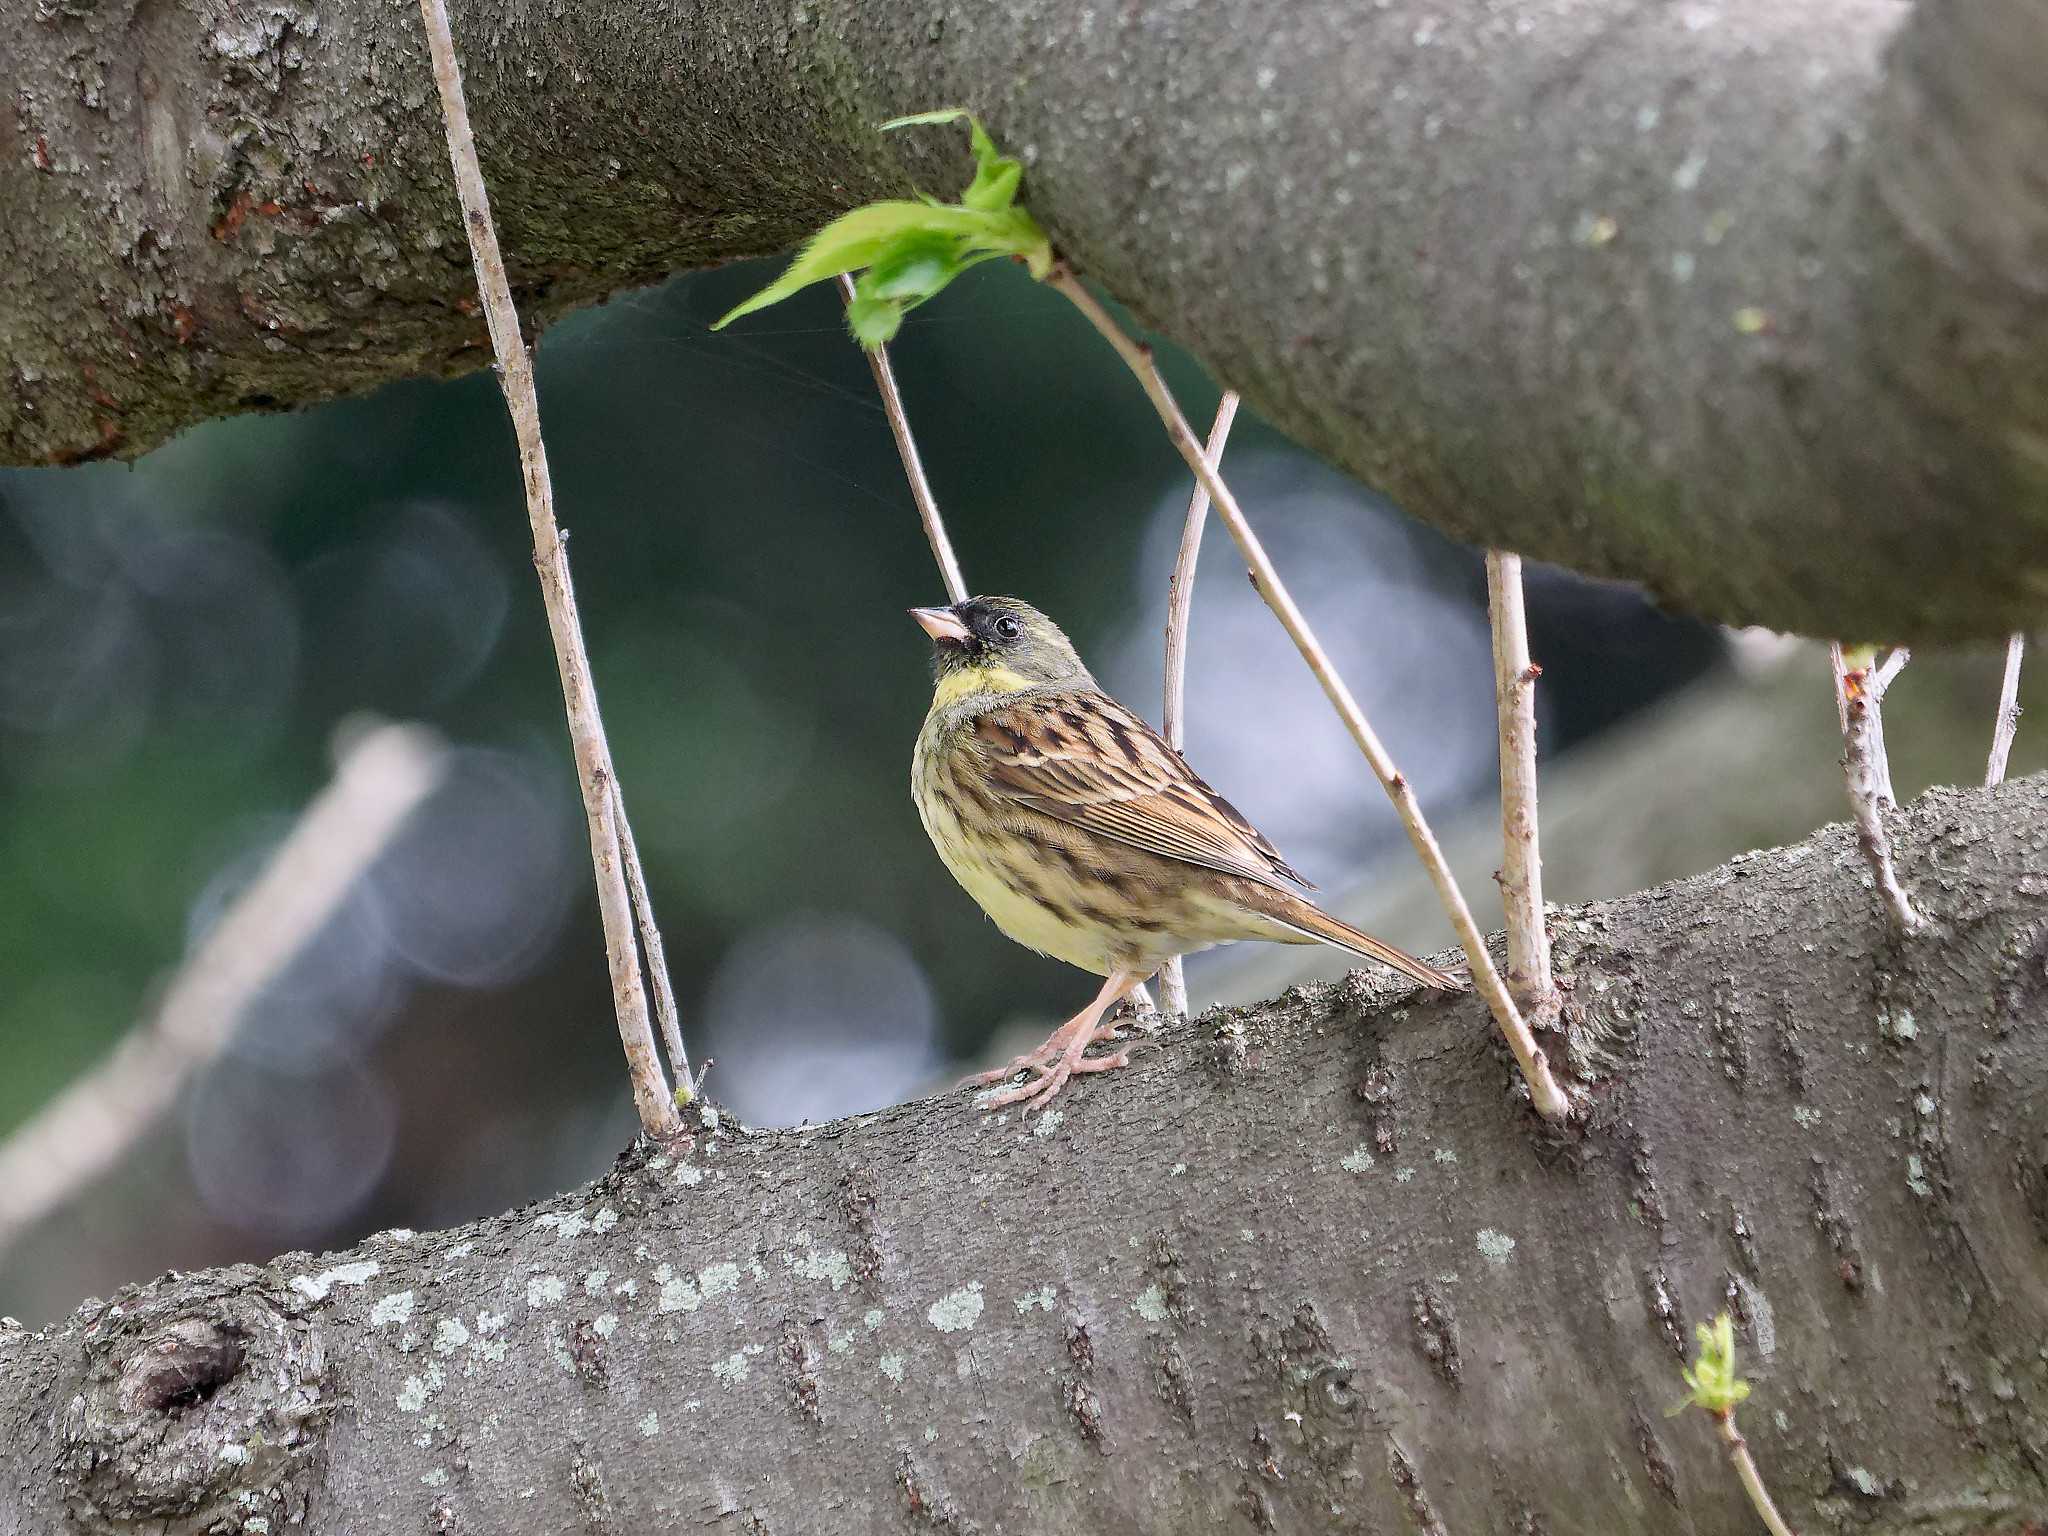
x=1008 y=628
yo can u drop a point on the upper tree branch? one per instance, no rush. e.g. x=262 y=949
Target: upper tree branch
x=1288 y=1276
x=1733 y=300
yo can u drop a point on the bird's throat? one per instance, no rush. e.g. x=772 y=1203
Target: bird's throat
x=971 y=682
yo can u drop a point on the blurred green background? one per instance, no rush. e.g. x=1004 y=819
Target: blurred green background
x=181 y=639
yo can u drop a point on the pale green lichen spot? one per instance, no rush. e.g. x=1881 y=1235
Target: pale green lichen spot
x=956 y=1310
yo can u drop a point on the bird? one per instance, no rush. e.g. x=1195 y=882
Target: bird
x=1085 y=836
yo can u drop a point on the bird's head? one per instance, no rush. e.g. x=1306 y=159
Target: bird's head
x=998 y=645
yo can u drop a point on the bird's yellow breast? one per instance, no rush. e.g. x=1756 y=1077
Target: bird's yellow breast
x=1041 y=900
x=966 y=682
x=1046 y=920
x=1037 y=907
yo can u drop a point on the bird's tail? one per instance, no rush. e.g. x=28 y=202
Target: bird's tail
x=1317 y=927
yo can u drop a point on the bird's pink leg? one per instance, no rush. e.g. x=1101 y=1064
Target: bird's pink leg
x=1064 y=1052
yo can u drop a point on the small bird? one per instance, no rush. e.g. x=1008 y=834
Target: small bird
x=1084 y=835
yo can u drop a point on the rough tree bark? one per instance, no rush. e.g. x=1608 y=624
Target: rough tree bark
x=1311 y=1266
x=1737 y=299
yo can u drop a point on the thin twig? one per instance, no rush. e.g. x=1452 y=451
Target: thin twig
x=1548 y=1097
x=1866 y=789
x=1180 y=591
x=594 y=773
x=913 y=465
x=381 y=779
x=666 y=1014
x=1521 y=867
x=1752 y=1480
x=1874 y=682
x=1180 y=604
x=2008 y=712
x=1881 y=678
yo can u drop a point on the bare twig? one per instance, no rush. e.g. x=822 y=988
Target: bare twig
x=1548 y=1097
x=913 y=466
x=1894 y=664
x=1180 y=592
x=1180 y=603
x=1868 y=793
x=666 y=1014
x=381 y=778
x=1713 y=1385
x=1752 y=1480
x=2008 y=712
x=1881 y=678
x=1521 y=868
x=1875 y=680
x=594 y=772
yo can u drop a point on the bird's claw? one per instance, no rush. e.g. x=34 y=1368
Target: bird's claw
x=1052 y=1075
x=1043 y=1061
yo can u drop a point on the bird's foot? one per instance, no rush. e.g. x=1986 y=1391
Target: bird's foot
x=1040 y=1061
x=1051 y=1078
x=1064 y=1054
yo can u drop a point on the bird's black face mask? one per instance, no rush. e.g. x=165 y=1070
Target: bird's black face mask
x=999 y=645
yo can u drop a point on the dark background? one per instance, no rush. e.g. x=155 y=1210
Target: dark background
x=181 y=639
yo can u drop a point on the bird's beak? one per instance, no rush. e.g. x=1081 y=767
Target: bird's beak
x=942 y=624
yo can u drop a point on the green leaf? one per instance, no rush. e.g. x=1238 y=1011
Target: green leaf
x=854 y=240
x=994 y=192
x=931 y=119
x=912 y=250
x=996 y=175
x=915 y=268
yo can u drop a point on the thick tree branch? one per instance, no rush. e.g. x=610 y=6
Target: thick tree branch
x=1281 y=1275
x=1731 y=299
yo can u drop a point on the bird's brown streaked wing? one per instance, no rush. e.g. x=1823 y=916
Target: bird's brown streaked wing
x=1084 y=759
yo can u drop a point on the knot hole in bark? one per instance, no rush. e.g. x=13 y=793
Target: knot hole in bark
x=182 y=1367
x=195 y=1414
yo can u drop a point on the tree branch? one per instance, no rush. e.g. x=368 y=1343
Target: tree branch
x=1752 y=1479
x=2008 y=711
x=1824 y=220
x=1867 y=774
x=1180 y=607
x=930 y=1318
x=380 y=779
x=1521 y=866
x=603 y=806
x=913 y=464
x=1549 y=1099
x=1685 y=773
x=667 y=1017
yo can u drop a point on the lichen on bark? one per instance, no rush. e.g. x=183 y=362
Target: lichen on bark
x=1194 y=1304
